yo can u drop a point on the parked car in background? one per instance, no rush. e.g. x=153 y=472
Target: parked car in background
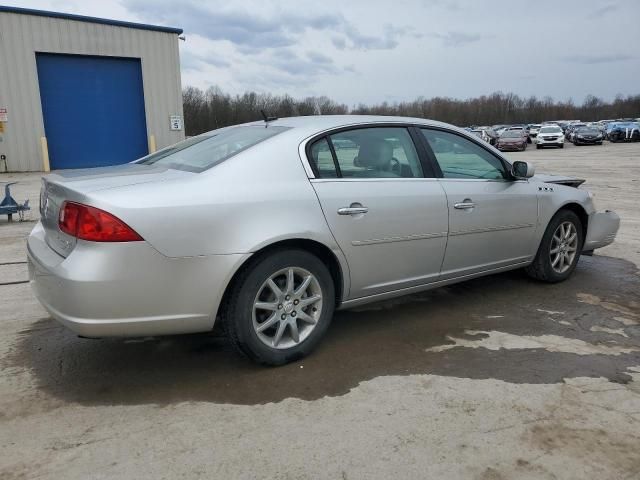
x=490 y=133
x=623 y=132
x=550 y=136
x=571 y=128
x=481 y=134
x=280 y=227
x=533 y=130
x=587 y=136
x=499 y=129
x=512 y=140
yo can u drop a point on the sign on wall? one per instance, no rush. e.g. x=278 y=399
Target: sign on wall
x=175 y=122
x=4 y=115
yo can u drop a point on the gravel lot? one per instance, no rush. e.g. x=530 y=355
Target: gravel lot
x=495 y=378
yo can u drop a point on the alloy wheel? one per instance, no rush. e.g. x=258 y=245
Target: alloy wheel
x=287 y=308
x=564 y=247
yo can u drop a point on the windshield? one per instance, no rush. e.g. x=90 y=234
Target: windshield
x=511 y=134
x=550 y=130
x=204 y=151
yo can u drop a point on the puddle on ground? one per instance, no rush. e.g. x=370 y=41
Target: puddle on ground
x=514 y=321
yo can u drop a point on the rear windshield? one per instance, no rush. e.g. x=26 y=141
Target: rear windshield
x=550 y=130
x=204 y=151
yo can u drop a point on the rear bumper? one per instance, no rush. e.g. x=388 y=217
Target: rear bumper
x=127 y=289
x=602 y=230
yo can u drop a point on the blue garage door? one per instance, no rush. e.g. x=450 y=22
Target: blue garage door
x=93 y=109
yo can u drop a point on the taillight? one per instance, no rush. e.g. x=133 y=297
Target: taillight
x=95 y=225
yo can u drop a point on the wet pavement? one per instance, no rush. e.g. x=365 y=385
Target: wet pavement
x=391 y=338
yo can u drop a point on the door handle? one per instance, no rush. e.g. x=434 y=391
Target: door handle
x=354 y=209
x=466 y=204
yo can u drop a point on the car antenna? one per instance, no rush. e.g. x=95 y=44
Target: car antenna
x=266 y=118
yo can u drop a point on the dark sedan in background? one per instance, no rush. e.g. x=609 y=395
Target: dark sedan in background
x=587 y=136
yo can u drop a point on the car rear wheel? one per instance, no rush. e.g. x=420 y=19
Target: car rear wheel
x=280 y=307
x=559 y=250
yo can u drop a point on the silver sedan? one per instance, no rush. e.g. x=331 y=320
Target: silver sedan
x=268 y=227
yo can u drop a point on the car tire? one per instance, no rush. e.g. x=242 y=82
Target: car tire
x=289 y=335
x=538 y=147
x=561 y=145
x=558 y=253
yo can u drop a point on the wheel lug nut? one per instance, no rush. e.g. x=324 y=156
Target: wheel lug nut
x=287 y=297
x=293 y=314
x=279 y=306
x=283 y=316
x=295 y=302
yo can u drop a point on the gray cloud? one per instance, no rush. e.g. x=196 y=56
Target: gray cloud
x=244 y=29
x=252 y=33
x=598 y=59
x=458 y=39
x=604 y=10
x=293 y=64
x=359 y=41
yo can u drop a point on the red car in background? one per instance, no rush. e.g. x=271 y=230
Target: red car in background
x=512 y=140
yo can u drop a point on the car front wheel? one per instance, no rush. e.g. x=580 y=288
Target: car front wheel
x=559 y=250
x=280 y=307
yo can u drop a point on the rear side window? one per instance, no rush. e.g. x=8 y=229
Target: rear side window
x=203 y=152
x=323 y=159
x=380 y=152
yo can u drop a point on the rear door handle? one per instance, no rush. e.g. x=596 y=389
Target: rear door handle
x=353 y=209
x=466 y=204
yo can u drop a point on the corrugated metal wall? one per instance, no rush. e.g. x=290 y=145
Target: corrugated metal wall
x=23 y=35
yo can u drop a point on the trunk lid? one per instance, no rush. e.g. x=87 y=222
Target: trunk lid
x=76 y=185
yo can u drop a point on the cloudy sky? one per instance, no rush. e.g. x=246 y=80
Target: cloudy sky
x=373 y=50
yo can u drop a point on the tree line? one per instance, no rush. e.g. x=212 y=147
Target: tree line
x=211 y=109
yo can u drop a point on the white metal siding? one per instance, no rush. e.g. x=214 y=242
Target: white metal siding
x=21 y=36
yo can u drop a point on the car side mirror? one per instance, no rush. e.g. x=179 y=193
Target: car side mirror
x=521 y=169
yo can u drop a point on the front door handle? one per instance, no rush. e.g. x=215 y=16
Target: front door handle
x=353 y=209
x=466 y=204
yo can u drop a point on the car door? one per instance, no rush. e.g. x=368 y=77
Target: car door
x=492 y=216
x=388 y=215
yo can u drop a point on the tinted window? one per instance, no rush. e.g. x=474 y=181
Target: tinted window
x=370 y=153
x=202 y=152
x=461 y=158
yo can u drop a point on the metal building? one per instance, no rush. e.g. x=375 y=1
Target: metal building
x=79 y=91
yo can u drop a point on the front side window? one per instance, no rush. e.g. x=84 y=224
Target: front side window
x=461 y=158
x=204 y=151
x=380 y=152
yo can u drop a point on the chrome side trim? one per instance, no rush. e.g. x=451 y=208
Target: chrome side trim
x=491 y=229
x=406 y=238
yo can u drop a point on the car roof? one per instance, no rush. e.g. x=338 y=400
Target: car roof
x=303 y=127
x=332 y=121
